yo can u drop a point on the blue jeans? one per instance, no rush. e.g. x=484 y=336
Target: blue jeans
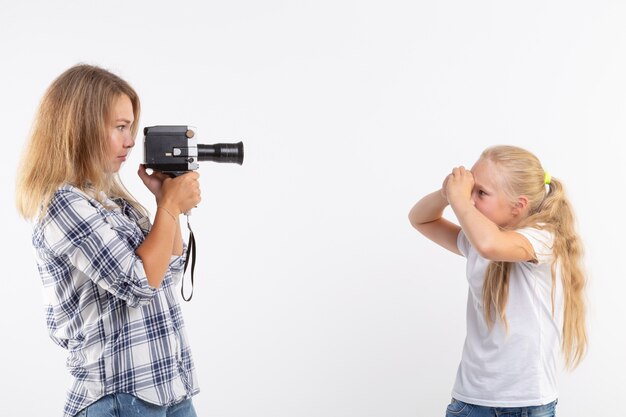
x=126 y=405
x=460 y=409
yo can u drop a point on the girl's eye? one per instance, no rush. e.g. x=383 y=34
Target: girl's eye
x=121 y=128
x=481 y=193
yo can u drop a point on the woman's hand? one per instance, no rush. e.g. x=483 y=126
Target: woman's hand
x=459 y=185
x=153 y=182
x=180 y=194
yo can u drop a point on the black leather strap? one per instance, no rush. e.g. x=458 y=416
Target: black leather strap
x=191 y=254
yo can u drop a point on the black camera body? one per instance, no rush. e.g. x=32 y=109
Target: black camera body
x=175 y=150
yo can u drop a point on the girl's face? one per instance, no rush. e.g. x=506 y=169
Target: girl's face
x=120 y=137
x=489 y=197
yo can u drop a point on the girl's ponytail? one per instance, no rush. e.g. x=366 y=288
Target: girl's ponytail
x=557 y=212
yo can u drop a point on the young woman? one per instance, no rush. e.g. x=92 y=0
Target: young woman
x=108 y=274
x=526 y=283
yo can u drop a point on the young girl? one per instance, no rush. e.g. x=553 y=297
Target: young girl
x=107 y=273
x=526 y=283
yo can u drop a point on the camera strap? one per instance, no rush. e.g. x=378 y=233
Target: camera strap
x=191 y=254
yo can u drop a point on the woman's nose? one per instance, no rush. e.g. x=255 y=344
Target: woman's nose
x=129 y=142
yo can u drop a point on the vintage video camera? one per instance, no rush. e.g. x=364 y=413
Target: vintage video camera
x=174 y=150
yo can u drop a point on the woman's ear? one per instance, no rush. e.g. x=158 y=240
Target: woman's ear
x=521 y=206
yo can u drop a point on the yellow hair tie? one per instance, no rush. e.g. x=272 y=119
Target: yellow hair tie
x=547 y=179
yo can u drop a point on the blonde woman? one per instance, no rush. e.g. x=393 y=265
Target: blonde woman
x=526 y=283
x=107 y=273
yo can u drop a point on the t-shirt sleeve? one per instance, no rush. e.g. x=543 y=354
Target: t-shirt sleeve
x=541 y=241
x=462 y=243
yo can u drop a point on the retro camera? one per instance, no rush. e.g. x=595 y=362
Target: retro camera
x=174 y=150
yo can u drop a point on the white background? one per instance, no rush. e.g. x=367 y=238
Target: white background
x=314 y=297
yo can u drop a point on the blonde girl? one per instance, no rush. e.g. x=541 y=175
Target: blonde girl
x=107 y=272
x=526 y=283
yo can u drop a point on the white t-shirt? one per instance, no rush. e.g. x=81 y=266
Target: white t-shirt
x=518 y=369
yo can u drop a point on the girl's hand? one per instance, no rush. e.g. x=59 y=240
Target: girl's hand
x=154 y=181
x=459 y=185
x=444 y=193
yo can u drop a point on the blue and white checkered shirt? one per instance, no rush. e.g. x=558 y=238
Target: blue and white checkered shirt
x=122 y=335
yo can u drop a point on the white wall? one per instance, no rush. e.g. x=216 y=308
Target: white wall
x=314 y=296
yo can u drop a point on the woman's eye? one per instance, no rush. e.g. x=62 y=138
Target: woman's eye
x=121 y=128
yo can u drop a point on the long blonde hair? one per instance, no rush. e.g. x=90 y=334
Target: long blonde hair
x=523 y=175
x=68 y=141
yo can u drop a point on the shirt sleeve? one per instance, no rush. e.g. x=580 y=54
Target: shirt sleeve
x=541 y=241
x=462 y=243
x=78 y=230
x=177 y=264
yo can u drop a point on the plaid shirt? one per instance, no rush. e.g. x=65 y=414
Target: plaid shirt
x=122 y=335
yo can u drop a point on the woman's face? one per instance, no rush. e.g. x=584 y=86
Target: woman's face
x=120 y=137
